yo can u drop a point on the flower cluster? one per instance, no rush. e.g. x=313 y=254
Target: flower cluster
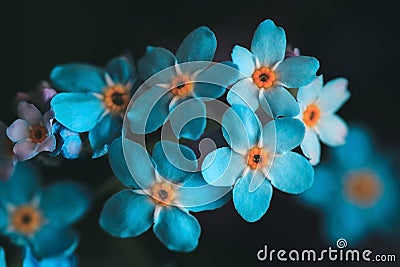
x=273 y=111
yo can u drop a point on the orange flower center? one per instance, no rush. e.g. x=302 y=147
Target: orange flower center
x=38 y=134
x=311 y=115
x=257 y=158
x=363 y=188
x=163 y=194
x=26 y=220
x=116 y=98
x=181 y=85
x=264 y=77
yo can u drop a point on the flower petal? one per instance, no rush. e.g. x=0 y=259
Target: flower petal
x=279 y=101
x=18 y=130
x=291 y=173
x=244 y=59
x=53 y=241
x=332 y=130
x=4 y=221
x=62 y=261
x=241 y=128
x=118 y=164
x=127 y=214
x=155 y=60
x=309 y=93
x=105 y=132
x=333 y=96
x=299 y=71
x=149 y=111
x=72 y=146
x=22 y=185
x=244 y=92
x=63 y=203
x=173 y=161
x=139 y=163
x=199 y=45
x=269 y=43
x=29 y=112
x=25 y=150
x=121 y=70
x=283 y=134
x=177 y=229
x=49 y=144
x=79 y=112
x=311 y=146
x=77 y=77
x=252 y=205
x=223 y=166
x=196 y=195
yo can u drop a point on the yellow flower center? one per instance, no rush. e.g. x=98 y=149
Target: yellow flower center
x=26 y=220
x=363 y=188
x=116 y=99
x=257 y=158
x=264 y=77
x=181 y=85
x=163 y=194
x=38 y=134
x=311 y=115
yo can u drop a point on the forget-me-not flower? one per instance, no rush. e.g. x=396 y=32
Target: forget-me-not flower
x=267 y=72
x=257 y=159
x=318 y=103
x=160 y=193
x=69 y=143
x=94 y=99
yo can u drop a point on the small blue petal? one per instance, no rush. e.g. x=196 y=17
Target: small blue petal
x=127 y=214
x=188 y=119
x=52 y=241
x=121 y=70
x=283 y=134
x=150 y=110
x=244 y=92
x=252 y=205
x=118 y=164
x=77 y=77
x=244 y=59
x=4 y=220
x=333 y=95
x=155 y=60
x=269 y=43
x=22 y=185
x=291 y=173
x=105 y=132
x=332 y=130
x=177 y=229
x=199 y=45
x=64 y=203
x=241 y=128
x=2 y=258
x=71 y=147
x=174 y=162
x=280 y=102
x=223 y=167
x=311 y=147
x=139 y=163
x=79 y=112
x=299 y=71
x=63 y=261
x=309 y=93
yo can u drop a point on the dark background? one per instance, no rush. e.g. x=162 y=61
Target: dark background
x=354 y=39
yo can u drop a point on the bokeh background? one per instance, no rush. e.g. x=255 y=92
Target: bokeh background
x=358 y=40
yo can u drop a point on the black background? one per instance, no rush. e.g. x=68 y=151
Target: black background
x=354 y=39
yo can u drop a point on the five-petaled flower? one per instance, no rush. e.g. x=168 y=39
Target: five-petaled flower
x=267 y=72
x=318 y=103
x=163 y=190
x=95 y=99
x=257 y=159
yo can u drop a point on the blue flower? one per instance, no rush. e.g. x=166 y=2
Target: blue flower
x=95 y=99
x=32 y=133
x=257 y=159
x=355 y=189
x=69 y=143
x=160 y=192
x=40 y=217
x=318 y=103
x=2 y=258
x=7 y=157
x=61 y=261
x=267 y=72
x=176 y=78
